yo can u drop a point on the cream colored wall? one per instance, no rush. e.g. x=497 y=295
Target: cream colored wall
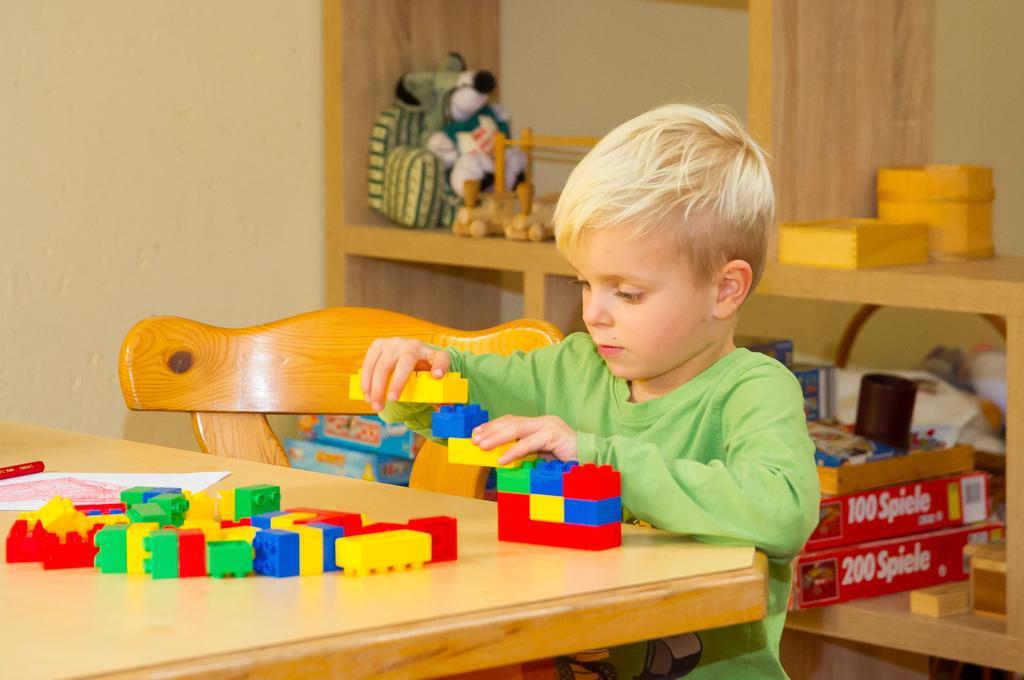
x=582 y=66
x=156 y=157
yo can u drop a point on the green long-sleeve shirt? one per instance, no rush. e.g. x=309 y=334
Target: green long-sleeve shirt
x=725 y=458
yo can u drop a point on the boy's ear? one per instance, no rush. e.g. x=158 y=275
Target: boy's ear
x=734 y=281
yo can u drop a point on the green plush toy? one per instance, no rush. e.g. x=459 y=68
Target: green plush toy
x=406 y=182
x=427 y=92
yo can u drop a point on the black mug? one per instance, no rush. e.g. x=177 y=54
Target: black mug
x=885 y=408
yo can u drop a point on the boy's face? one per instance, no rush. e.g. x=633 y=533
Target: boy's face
x=650 y=321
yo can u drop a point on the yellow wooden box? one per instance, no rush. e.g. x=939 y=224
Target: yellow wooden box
x=954 y=200
x=853 y=243
x=988 y=578
x=956 y=230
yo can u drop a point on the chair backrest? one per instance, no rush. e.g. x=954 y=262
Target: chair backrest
x=229 y=378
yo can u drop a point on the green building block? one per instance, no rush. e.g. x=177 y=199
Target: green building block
x=175 y=504
x=134 y=495
x=149 y=512
x=229 y=558
x=256 y=500
x=515 y=480
x=112 y=542
x=162 y=547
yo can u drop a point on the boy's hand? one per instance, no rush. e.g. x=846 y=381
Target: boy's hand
x=390 y=361
x=547 y=434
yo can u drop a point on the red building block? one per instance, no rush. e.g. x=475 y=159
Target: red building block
x=444 y=545
x=578 y=536
x=191 y=553
x=351 y=521
x=24 y=543
x=77 y=550
x=513 y=516
x=376 y=528
x=228 y=523
x=592 y=482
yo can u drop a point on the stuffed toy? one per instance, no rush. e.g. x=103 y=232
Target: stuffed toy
x=465 y=143
x=419 y=184
x=406 y=182
x=427 y=92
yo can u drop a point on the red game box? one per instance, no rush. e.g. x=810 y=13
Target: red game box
x=901 y=510
x=871 y=569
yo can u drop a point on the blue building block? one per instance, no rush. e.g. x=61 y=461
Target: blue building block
x=593 y=513
x=115 y=511
x=546 y=477
x=277 y=553
x=332 y=533
x=262 y=521
x=90 y=513
x=156 y=491
x=457 y=421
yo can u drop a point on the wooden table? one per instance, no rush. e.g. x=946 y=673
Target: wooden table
x=499 y=603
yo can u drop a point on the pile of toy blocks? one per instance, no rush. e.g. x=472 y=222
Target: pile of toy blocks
x=560 y=504
x=170 y=533
x=61 y=535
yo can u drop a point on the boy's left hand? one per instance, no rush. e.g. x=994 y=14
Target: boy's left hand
x=546 y=434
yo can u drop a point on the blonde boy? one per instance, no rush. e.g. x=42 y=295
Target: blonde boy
x=666 y=222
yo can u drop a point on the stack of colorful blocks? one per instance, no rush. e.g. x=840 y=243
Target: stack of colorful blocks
x=455 y=419
x=560 y=504
x=172 y=534
x=542 y=502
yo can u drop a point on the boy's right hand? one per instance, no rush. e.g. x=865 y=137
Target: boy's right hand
x=390 y=361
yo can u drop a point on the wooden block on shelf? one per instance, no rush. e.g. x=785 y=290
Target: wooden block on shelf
x=971 y=183
x=988 y=578
x=915 y=465
x=939 y=601
x=852 y=243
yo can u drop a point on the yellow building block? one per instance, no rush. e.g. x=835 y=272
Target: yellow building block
x=288 y=521
x=311 y=550
x=423 y=388
x=360 y=555
x=226 y=505
x=135 y=552
x=852 y=243
x=200 y=506
x=547 y=508
x=465 y=452
x=210 y=528
x=243 y=533
x=59 y=516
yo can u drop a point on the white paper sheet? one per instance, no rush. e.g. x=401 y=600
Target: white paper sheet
x=32 y=491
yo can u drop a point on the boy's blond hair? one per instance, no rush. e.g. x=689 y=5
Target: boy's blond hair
x=694 y=170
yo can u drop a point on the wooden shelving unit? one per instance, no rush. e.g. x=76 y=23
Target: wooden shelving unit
x=811 y=72
x=887 y=622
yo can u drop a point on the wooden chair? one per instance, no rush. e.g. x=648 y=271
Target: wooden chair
x=230 y=378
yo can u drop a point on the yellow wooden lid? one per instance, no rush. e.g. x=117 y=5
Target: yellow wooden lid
x=965 y=183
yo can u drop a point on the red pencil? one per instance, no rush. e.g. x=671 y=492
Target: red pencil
x=22 y=469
